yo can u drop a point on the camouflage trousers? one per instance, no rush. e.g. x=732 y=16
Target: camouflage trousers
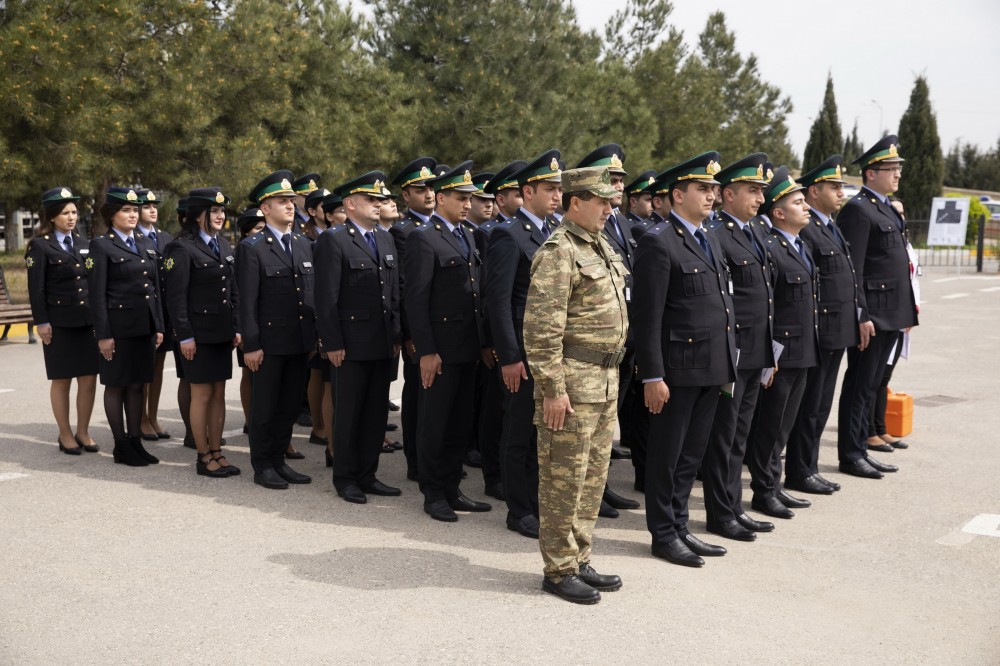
x=572 y=471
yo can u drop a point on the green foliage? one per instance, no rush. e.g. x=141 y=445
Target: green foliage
x=967 y=167
x=825 y=136
x=921 y=146
x=852 y=149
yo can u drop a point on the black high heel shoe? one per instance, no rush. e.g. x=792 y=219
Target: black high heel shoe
x=89 y=448
x=201 y=467
x=76 y=451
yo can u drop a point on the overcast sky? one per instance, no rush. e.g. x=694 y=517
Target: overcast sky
x=873 y=48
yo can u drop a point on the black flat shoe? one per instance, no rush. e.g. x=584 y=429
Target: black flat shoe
x=699 y=547
x=440 y=510
x=378 y=488
x=218 y=457
x=89 y=448
x=353 y=494
x=75 y=451
x=391 y=427
x=290 y=475
x=618 y=453
x=832 y=484
x=393 y=407
x=388 y=448
x=754 y=525
x=496 y=491
x=163 y=435
x=525 y=525
x=881 y=448
x=571 y=588
x=617 y=501
x=268 y=478
x=294 y=455
x=397 y=445
x=316 y=439
x=810 y=485
x=150 y=438
x=201 y=467
x=881 y=466
x=472 y=459
x=607 y=511
x=771 y=506
x=793 y=502
x=463 y=503
x=899 y=444
x=677 y=552
x=861 y=468
x=732 y=530
x=604 y=583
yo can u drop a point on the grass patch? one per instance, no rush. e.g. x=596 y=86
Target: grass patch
x=16 y=275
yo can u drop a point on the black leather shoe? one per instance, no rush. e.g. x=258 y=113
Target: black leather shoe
x=294 y=455
x=74 y=451
x=881 y=466
x=732 y=530
x=391 y=427
x=290 y=475
x=353 y=494
x=89 y=448
x=607 y=511
x=899 y=445
x=832 y=484
x=618 y=453
x=607 y=583
x=440 y=510
x=860 y=467
x=793 y=502
x=150 y=438
x=571 y=588
x=473 y=459
x=677 y=552
x=305 y=420
x=379 y=488
x=525 y=525
x=771 y=506
x=124 y=454
x=136 y=443
x=270 y=479
x=463 y=503
x=316 y=439
x=754 y=525
x=393 y=407
x=617 y=501
x=810 y=485
x=699 y=547
x=496 y=491
x=881 y=448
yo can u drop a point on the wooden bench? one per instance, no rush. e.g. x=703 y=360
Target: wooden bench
x=11 y=314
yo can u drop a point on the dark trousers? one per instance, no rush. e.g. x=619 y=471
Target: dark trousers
x=276 y=396
x=779 y=406
x=876 y=424
x=634 y=424
x=360 y=392
x=490 y=422
x=722 y=469
x=802 y=456
x=678 y=436
x=519 y=450
x=409 y=410
x=857 y=394
x=445 y=429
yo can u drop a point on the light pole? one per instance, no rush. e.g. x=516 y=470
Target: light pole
x=879 y=118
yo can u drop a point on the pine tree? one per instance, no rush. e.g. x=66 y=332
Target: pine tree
x=825 y=134
x=920 y=144
x=852 y=148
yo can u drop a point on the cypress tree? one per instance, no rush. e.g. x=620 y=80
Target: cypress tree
x=920 y=144
x=852 y=148
x=825 y=136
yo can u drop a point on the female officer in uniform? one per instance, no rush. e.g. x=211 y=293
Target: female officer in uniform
x=201 y=304
x=125 y=307
x=57 y=288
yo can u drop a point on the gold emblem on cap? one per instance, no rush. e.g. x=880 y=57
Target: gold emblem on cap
x=220 y=197
x=760 y=171
x=150 y=196
x=554 y=164
x=131 y=196
x=712 y=168
x=425 y=172
x=260 y=213
x=312 y=184
x=837 y=172
x=616 y=161
x=485 y=184
x=378 y=184
x=467 y=178
x=893 y=152
x=285 y=185
x=65 y=193
x=652 y=179
x=770 y=174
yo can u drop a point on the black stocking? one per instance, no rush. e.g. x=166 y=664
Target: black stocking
x=114 y=404
x=133 y=408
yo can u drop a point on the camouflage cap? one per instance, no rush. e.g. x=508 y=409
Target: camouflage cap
x=596 y=180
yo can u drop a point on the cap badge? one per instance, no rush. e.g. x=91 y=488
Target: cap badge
x=285 y=185
x=260 y=213
x=760 y=171
x=893 y=152
x=65 y=193
x=652 y=179
x=837 y=173
x=312 y=184
x=616 y=161
x=554 y=164
x=219 y=197
x=713 y=168
x=467 y=178
x=378 y=185
x=131 y=196
x=486 y=184
x=150 y=196
x=770 y=174
x=425 y=172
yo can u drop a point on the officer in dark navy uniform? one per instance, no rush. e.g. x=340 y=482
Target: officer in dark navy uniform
x=793 y=275
x=618 y=232
x=418 y=196
x=274 y=271
x=837 y=302
x=659 y=201
x=357 y=304
x=685 y=351
x=749 y=272
x=503 y=187
x=511 y=248
x=640 y=202
x=128 y=321
x=446 y=321
x=57 y=290
x=303 y=186
x=876 y=235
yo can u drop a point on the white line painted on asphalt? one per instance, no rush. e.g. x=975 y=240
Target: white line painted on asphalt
x=10 y=476
x=990 y=289
x=7 y=390
x=947 y=279
x=958 y=295
x=985 y=524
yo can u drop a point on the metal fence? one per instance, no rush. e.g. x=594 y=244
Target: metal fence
x=982 y=254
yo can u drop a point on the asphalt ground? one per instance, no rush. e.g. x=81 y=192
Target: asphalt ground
x=106 y=564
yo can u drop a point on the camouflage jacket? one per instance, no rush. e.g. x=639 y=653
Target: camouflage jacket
x=576 y=302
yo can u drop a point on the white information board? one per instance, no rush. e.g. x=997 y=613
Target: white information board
x=949 y=219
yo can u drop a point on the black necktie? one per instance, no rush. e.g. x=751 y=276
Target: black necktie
x=286 y=240
x=753 y=242
x=546 y=232
x=801 y=247
x=214 y=244
x=370 y=239
x=68 y=242
x=152 y=237
x=706 y=248
x=836 y=234
x=618 y=230
x=457 y=232
x=131 y=245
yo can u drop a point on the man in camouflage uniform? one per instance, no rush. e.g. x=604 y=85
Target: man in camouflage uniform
x=575 y=325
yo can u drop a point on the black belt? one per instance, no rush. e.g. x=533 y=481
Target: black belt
x=595 y=356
